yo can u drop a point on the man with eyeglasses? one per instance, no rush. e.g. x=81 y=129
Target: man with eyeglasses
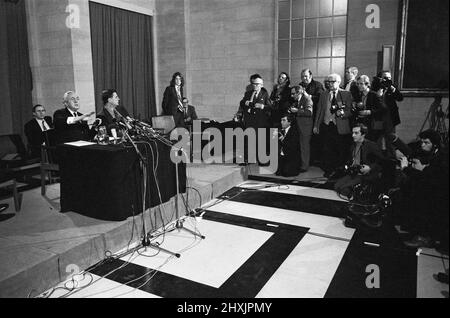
x=256 y=107
x=70 y=124
x=333 y=124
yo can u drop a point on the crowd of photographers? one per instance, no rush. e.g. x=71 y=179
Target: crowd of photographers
x=349 y=130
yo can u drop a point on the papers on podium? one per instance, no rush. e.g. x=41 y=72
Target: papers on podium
x=80 y=143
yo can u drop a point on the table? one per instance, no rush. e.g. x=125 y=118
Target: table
x=105 y=182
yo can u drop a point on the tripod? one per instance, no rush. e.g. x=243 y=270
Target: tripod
x=436 y=119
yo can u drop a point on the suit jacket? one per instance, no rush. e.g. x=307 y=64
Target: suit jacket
x=256 y=117
x=74 y=132
x=281 y=98
x=371 y=155
x=34 y=135
x=377 y=108
x=304 y=114
x=354 y=90
x=391 y=99
x=289 y=163
x=189 y=112
x=109 y=121
x=170 y=104
x=314 y=89
x=343 y=124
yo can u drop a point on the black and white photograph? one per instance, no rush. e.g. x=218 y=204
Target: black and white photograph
x=220 y=156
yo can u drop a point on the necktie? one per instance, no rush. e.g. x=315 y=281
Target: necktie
x=75 y=115
x=43 y=126
x=253 y=96
x=333 y=100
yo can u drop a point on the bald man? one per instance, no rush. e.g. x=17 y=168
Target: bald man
x=70 y=124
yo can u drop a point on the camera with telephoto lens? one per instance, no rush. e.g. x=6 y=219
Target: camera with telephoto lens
x=381 y=83
x=352 y=170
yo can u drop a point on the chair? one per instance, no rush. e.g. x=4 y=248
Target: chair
x=49 y=163
x=163 y=124
x=16 y=158
x=8 y=180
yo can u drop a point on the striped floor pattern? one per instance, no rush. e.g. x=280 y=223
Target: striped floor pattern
x=265 y=240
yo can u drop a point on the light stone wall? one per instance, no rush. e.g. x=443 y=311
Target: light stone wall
x=170 y=44
x=61 y=57
x=216 y=44
x=228 y=41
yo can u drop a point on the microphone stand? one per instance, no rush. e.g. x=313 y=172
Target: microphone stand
x=179 y=223
x=143 y=165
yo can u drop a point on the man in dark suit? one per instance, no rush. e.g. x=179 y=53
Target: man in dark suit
x=280 y=97
x=366 y=158
x=368 y=109
x=256 y=107
x=332 y=123
x=289 y=148
x=302 y=108
x=34 y=130
x=189 y=113
x=111 y=112
x=70 y=124
x=314 y=89
x=390 y=96
x=172 y=100
x=351 y=74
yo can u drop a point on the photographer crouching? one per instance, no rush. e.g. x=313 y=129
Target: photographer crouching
x=422 y=207
x=365 y=163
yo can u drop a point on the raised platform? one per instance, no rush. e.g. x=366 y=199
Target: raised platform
x=40 y=247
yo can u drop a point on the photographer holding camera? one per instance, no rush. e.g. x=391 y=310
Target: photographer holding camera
x=368 y=108
x=333 y=125
x=390 y=94
x=365 y=163
x=280 y=97
x=422 y=207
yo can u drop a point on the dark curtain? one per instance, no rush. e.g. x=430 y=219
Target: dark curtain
x=122 y=56
x=15 y=76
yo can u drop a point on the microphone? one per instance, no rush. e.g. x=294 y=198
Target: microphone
x=97 y=122
x=122 y=119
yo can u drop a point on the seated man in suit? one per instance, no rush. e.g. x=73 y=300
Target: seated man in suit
x=71 y=125
x=34 y=130
x=112 y=113
x=365 y=162
x=289 y=148
x=189 y=113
